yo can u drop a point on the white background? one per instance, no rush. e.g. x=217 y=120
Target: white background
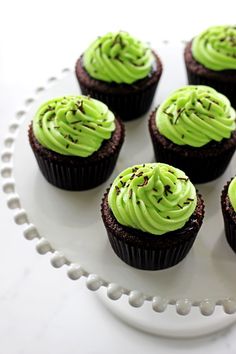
x=41 y=310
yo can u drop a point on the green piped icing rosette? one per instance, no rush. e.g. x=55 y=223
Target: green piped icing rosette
x=215 y=48
x=118 y=57
x=153 y=197
x=73 y=125
x=195 y=115
x=232 y=193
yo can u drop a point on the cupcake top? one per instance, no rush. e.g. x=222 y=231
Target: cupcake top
x=118 y=57
x=232 y=193
x=73 y=125
x=153 y=197
x=195 y=115
x=215 y=48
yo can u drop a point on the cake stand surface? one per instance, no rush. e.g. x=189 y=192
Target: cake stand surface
x=167 y=323
x=68 y=224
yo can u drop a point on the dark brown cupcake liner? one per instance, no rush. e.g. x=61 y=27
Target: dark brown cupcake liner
x=202 y=164
x=151 y=252
x=77 y=173
x=78 y=177
x=128 y=106
x=223 y=81
x=229 y=217
x=128 y=101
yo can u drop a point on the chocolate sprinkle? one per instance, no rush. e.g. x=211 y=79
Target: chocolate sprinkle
x=167 y=190
x=139 y=174
x=88 y=126
x=130 y=193
x=117 y=190
x=145 y=182
x=79 y=104
x=178 y=115
x=168 y=114
x=134 y=169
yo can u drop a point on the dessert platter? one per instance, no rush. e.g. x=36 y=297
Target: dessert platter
x=68 y=224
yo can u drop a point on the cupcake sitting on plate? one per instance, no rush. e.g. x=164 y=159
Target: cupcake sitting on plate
x=122 y=72
x=210 y=60
x=194 y=130
x=76 y=141
x=228 y=205
x=152 y=214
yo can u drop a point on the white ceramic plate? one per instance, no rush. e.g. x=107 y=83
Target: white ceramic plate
x=69 y=225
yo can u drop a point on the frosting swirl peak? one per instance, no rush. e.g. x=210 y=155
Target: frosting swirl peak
x=215 y=48
x=153 y=197
x=73 y=125
x=118 y=57
x=195 y=115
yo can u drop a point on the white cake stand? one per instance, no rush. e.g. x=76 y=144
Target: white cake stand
x=69 y=225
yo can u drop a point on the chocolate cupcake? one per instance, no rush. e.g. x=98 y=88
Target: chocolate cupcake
x=194 y=130
x=228 y=205
x=152 y=215
x=210 y=59
x=120 y=71
x=76 y=141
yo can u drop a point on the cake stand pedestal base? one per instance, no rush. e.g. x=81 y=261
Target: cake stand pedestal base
x=169 y=323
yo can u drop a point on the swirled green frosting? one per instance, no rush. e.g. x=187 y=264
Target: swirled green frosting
x=195 y=115
x=118 y=57
x=154 y=198
x=215 y=48
x=73 y=125
x=232 y=193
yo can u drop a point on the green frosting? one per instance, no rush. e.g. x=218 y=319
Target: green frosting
x=215 y=48
x=154 y=197
x=232 y=193
x=73 y=125
x=118 y=57
x=195 y=115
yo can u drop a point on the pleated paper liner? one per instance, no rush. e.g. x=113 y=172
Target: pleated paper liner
x=151 y=252
x=229 y=216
